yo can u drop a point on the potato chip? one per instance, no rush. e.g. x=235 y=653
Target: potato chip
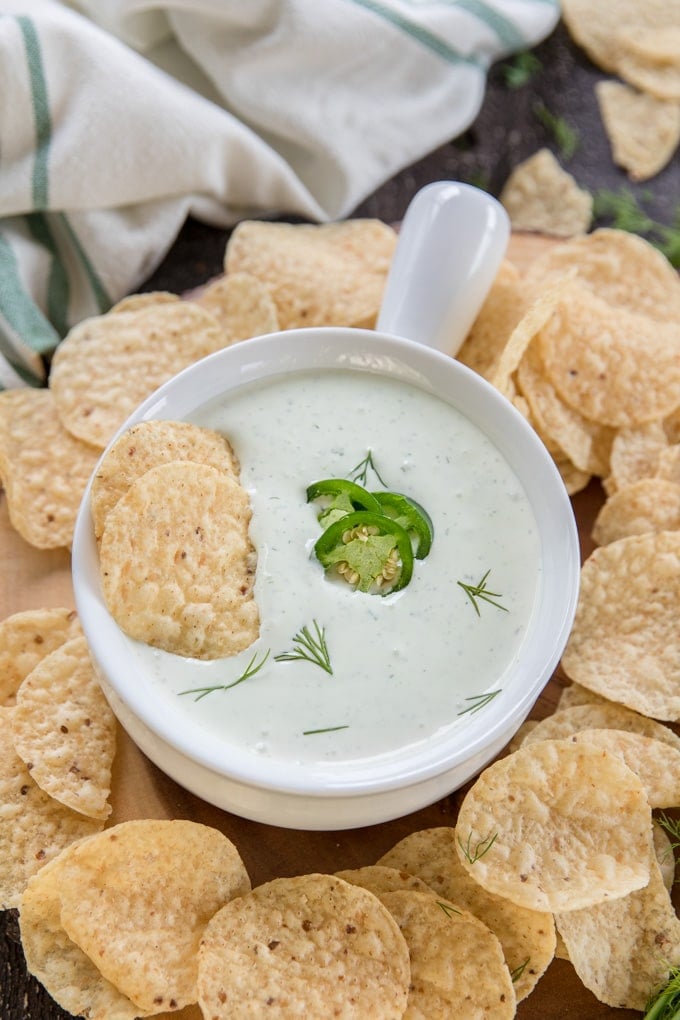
x=331 y=274
x=585 y=443
x=242 y=304
x=311 y=945
x=44 y=469
x=649 y=57
x=26 y=638
x=539 y=195
x=605 y=261
x=613 y=34
x=616 y=367
x=33 y=826
x=655 y=762
x=108 y=364
x=624 y=641
x=537 y=315
x=137 y=897
x=570 y=718
x=652 y=504
x=643 y=131
x=147 y=445
x=501 y=312
x=457 y=964
x=527 y=936
x=574 y=695
x=622 y=950
x=64 y=730
x=379 y=879
x=671 y=426
x=135 y=302
x=177 y=564
x=668 y=464
x=556 y=826
x=70 y=977
x=634 y=455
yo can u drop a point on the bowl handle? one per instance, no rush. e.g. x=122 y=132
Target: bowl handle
x=451 y=244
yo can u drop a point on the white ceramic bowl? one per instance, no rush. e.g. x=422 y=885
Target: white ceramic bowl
x=266 y=790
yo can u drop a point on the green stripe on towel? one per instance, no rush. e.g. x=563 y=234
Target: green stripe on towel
x=41 y=112
x=422 y=35
x=18 y=308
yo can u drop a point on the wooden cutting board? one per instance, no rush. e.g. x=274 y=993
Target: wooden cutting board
x=31 y=578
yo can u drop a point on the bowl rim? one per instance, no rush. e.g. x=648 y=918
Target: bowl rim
x=321 y=348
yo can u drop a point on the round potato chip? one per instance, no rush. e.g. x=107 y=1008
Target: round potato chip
x=586 y=444
x=527 y=936
x=458 y=971
x=70 y=977
x=65 y=731
x=147 y=445
x=177 y=564
x=604 y=262
x=502 y=310
x=615 y=367
x=108 y=364
x=556 y=826
x=43 y=467
x=652 y=504
x=668 y=464
x=26 y=638
x=379 y=879
x=624 y=641
x=311 y=945
x=635 y=454
x=135 y=302
x=242 y=304
x=332 y=274
x=137 y=897
x=572 y=717
x=624 y=949
x=33 y=826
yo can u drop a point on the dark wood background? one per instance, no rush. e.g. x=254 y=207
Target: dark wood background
x=506 y=131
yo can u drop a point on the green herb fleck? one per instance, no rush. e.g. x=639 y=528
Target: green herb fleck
x=478 y=701
x=479 y=591
x=324 y=729
x=623 y=210
x=359 y=472
x=251 y=669
x=449 y=909
x=566 y=137
x=473 y=854
x=311 y=647
x=516 y=974
x=520 y=70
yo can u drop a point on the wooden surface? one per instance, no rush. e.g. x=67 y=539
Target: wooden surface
x=31 y=579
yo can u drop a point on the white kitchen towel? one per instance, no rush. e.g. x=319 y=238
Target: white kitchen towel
x=120 y=118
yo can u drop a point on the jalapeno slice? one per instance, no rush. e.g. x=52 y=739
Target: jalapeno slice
x=370 y=550
x=411 y=516
x=340 y=497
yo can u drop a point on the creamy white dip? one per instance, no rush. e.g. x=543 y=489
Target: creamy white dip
x=405 y=666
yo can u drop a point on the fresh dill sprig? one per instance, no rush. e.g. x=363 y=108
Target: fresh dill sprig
x=311 y=647
x=473 y=854
x=478 y=701
x=665 y=1003
x=566 y=137
x=517 y=972
x=623 y=210
x=251 y=669
x=479 y=591
x=449 y=909
x=359 y=472
x=325 y=729
x=520 y=70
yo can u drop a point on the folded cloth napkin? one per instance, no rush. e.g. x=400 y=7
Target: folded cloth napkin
x=120 y=118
